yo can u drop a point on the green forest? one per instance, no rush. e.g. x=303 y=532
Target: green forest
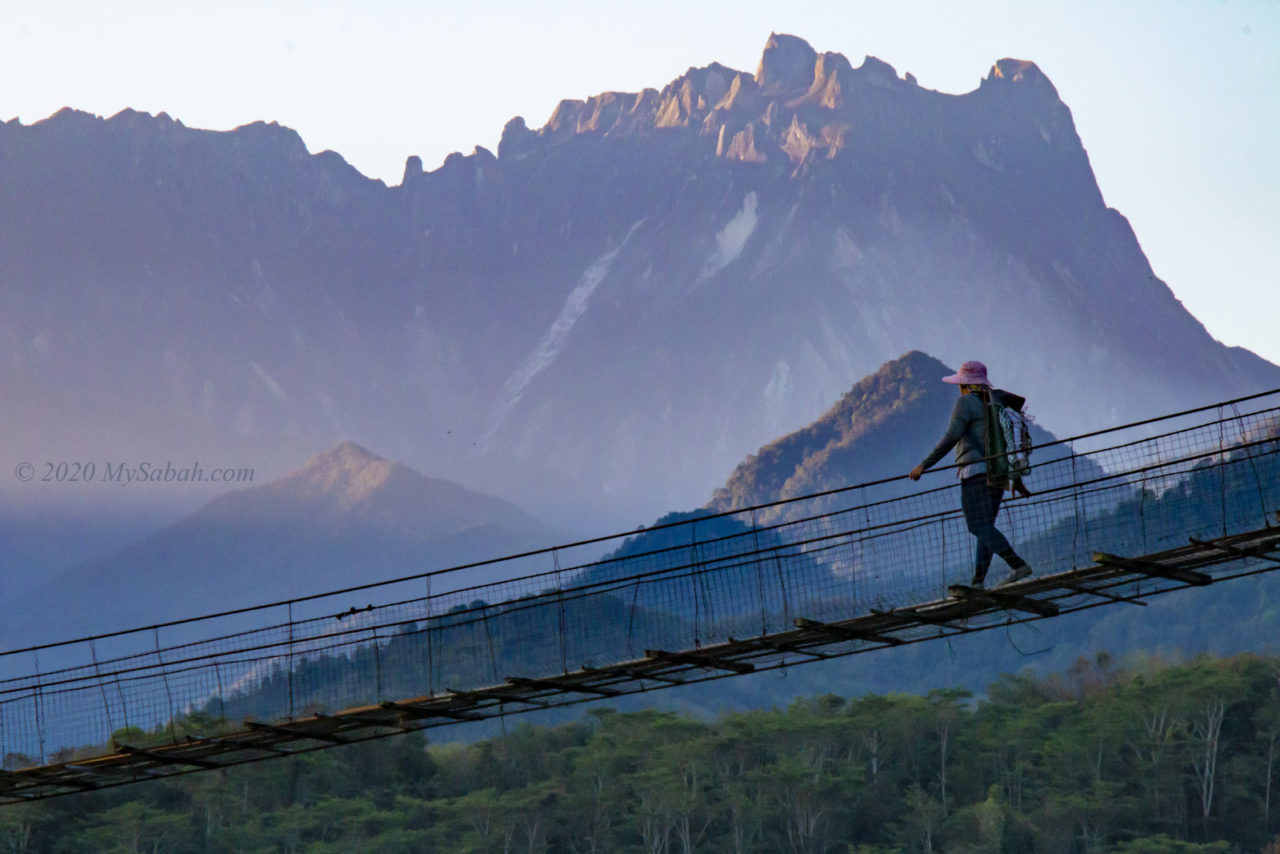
x=1141 y=757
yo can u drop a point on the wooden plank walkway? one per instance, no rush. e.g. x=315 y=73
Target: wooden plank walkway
x=1111 y=579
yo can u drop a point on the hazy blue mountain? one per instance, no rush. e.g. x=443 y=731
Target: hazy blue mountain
x=347 y=517
x=604 y=316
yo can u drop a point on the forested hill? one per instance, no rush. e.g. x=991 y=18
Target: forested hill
x=880 y=428
x=1141 y=758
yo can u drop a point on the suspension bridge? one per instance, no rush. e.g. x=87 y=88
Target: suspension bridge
x=1117 y=516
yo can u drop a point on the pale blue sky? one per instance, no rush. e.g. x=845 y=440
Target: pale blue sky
x=1178 y=103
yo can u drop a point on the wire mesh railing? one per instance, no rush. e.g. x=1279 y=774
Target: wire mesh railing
x=694 y=582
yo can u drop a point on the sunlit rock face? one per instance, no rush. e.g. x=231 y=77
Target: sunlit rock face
x=617 y=306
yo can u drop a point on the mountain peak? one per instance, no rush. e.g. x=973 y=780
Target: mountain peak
x=347 y=453
x=800 y=107
x=70 y=114
x=350 y=488
x=786 y=64
x=348 y=470
x=878 y=428
x=1022 y=73
x=346 y=517
x=1015 y=69
x=349 y=485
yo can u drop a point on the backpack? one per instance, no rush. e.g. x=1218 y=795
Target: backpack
x=1008 y=441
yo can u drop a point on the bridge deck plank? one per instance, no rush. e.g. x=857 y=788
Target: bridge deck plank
x=1039 y=596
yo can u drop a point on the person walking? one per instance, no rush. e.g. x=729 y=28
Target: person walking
x=980 y=496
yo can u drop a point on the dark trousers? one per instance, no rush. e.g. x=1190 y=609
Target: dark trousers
x=981 y=502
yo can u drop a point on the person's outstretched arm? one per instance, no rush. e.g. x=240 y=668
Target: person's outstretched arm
x=961 y=415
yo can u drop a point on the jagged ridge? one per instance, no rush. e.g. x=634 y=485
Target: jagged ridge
x=799 y=104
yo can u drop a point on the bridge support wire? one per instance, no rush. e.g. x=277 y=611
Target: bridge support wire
x=1117 y=517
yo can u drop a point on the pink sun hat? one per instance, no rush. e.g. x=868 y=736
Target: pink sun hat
x=970 y=373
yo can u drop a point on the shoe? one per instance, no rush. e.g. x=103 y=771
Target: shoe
x=1016 y=575
x=954 y=593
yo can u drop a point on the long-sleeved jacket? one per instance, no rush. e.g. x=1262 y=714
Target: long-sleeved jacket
x=967 y=433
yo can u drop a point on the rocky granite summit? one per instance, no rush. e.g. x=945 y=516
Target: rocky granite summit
x=798 y=107
x=603 y=316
